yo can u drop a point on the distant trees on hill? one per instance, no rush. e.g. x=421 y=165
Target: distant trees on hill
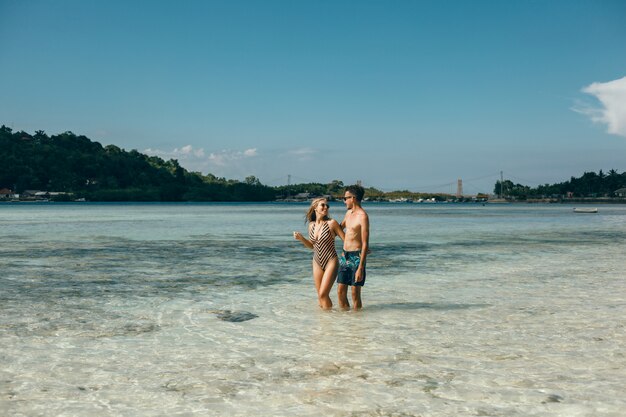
x=73 y=163
x=589 y=184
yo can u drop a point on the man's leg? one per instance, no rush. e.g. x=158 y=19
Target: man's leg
x=356 y=297
x=342 y=296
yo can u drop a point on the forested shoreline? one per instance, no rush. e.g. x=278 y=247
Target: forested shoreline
x=73 y=164
x=73 y=167
x=590 y=185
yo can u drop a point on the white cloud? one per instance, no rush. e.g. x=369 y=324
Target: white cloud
x=612 y=95
x=302 y=153
x=189 y=150
x=227 y=156
x=197 y=160
x=183 y=153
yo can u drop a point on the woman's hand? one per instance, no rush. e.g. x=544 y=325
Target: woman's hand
x=305 y=242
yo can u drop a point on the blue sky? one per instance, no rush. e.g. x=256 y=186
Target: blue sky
x=400 y=95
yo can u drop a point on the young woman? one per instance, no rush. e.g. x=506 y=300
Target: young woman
x=322 y=232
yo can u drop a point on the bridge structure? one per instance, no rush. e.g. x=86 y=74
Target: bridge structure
x=460 y=188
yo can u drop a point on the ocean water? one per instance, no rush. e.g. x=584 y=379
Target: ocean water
x=210 y=310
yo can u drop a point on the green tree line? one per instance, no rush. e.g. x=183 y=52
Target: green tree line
x=74 y=164
x=590 y=184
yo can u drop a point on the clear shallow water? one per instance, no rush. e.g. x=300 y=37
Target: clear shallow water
x=498 y=310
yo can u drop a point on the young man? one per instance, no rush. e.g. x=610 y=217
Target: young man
x=355 y=246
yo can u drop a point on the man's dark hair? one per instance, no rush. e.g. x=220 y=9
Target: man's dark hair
x=357 y=191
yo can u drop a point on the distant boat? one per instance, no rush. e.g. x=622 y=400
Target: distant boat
x=585 y=210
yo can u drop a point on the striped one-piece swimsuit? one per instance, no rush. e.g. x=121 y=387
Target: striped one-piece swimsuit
x=323 y=246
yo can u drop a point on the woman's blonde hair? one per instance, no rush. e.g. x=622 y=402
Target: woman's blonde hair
x=310 y=215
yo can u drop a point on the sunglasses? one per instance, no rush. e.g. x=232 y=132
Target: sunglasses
x=324 y=205
x=345 y=198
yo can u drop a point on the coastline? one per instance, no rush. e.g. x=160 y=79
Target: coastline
x=599 y=200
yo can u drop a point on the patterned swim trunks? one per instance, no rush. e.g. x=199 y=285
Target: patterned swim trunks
x=348 y=264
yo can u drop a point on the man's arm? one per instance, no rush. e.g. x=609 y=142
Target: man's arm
x=365 y=242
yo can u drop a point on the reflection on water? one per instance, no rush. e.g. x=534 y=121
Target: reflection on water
x=210 y=310
x=234 y=316
x=417 y=306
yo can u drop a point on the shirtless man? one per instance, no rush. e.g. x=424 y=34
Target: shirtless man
x=355 y=247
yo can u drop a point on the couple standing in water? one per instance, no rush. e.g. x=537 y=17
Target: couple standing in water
x=349 y=269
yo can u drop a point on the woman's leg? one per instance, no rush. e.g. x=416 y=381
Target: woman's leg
x=328 y=279
x=318 y=275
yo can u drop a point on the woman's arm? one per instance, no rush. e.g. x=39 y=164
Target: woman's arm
x=306 y=242
x=336 y=228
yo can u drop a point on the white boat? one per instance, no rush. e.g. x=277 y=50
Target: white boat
x=585 y=210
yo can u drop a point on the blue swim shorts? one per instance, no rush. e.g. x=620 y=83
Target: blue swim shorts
x=348 y=264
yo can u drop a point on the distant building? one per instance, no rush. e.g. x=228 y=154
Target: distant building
x=30 y=193
x=35 y=195
x=5 y=193
x=620 y=193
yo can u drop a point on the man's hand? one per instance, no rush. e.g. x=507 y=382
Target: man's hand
x=358 y=277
